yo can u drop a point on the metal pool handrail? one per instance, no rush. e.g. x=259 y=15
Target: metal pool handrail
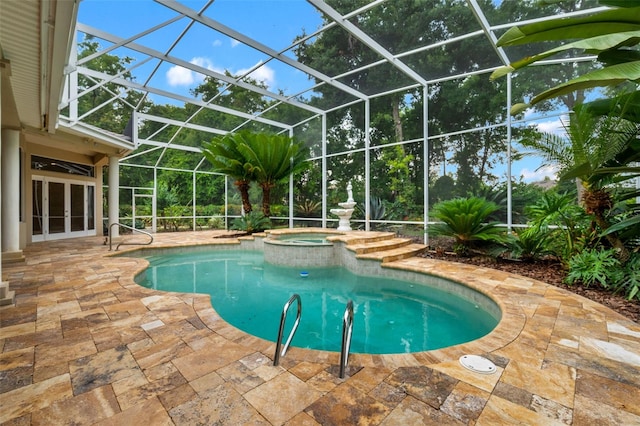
x=285 y=309
x=347 y=329
x=132 y=230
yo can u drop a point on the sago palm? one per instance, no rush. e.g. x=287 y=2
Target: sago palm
x=590 y=143
x=274 y=158
x=464 y=219
x=225 y=157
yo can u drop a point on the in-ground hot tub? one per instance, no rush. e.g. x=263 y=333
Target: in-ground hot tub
x=300 y=249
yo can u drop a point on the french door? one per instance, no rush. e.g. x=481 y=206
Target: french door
x=62 y=208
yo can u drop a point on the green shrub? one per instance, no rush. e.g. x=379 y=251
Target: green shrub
x=602 y=267
x=279 y=210
x=251 y=222
x=216 y=223
x=206 y=210
x=308 y=208
x=140 y=224
x=532 y=243
x=232 y=209
x=629 y=284
x=464 y=220
x=567 y=222
x=593 y=266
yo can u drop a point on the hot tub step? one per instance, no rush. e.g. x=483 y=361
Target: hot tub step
x=362 y=237
x=376 y=246
x=392 y=255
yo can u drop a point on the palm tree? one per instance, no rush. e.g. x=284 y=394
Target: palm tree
x=464 y=219
x=571 y=150
x=225 y=157
x=590 y=144
x=274 y=158
x=626 y=165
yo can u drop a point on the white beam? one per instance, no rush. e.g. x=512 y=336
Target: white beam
x=367 y=40
x=475 y=8
x=169 y=145
x=177 y=7
x=171 y=95
x=193 y=67
x=180 y=124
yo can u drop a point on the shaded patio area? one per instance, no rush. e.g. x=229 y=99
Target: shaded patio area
x=85 y=344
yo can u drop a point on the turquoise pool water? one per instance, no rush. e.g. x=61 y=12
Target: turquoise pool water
x=390 y=316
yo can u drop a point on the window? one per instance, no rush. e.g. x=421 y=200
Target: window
x=61 y=166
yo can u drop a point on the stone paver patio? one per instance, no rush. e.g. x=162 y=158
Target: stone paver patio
x=84 y=344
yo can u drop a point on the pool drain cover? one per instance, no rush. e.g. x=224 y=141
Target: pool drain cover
x=478 y=364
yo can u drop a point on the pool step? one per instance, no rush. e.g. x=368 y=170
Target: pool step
x=375 y=246
x=361 y=237
x=391 y=255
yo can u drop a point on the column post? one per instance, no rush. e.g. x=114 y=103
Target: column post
x=11 y=196
x=7 y=297
x=114 y=191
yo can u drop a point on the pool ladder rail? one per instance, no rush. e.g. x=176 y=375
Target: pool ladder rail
x=132 y=229
x=283 y=317
x=347 y=330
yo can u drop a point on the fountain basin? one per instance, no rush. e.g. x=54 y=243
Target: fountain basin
x=342 y=212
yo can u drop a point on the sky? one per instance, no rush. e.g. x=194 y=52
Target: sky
x=285 y=20
x=275 y=23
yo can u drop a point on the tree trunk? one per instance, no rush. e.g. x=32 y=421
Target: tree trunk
x=397 y=125
x=397 y=120
x=485 y=156
x=243 y=187
x=616 y=243
x=597 y=202
x=266 y=199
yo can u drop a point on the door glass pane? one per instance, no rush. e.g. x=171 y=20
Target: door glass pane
x=56 y=207
x=91 y=198
x=77 y=207
x=37 y=207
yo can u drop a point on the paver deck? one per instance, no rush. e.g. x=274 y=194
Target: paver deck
x=84 y=344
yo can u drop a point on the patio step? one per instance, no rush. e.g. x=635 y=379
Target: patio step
x=391 y=255
x=7 y=297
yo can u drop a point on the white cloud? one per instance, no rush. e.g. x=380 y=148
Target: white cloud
x=264 y=74
x=546 y=125
x=539 y=174
x=234 y=42
x=179 y=76
x=216 y=43
x=555 y=126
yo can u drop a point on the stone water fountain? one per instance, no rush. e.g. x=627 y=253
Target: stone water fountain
x=346 y=211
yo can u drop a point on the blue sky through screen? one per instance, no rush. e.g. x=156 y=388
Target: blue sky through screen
x=274 y=23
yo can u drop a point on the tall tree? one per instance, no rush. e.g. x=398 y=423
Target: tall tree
x=454 y=105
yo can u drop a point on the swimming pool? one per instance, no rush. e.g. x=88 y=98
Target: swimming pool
x=390 y=316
